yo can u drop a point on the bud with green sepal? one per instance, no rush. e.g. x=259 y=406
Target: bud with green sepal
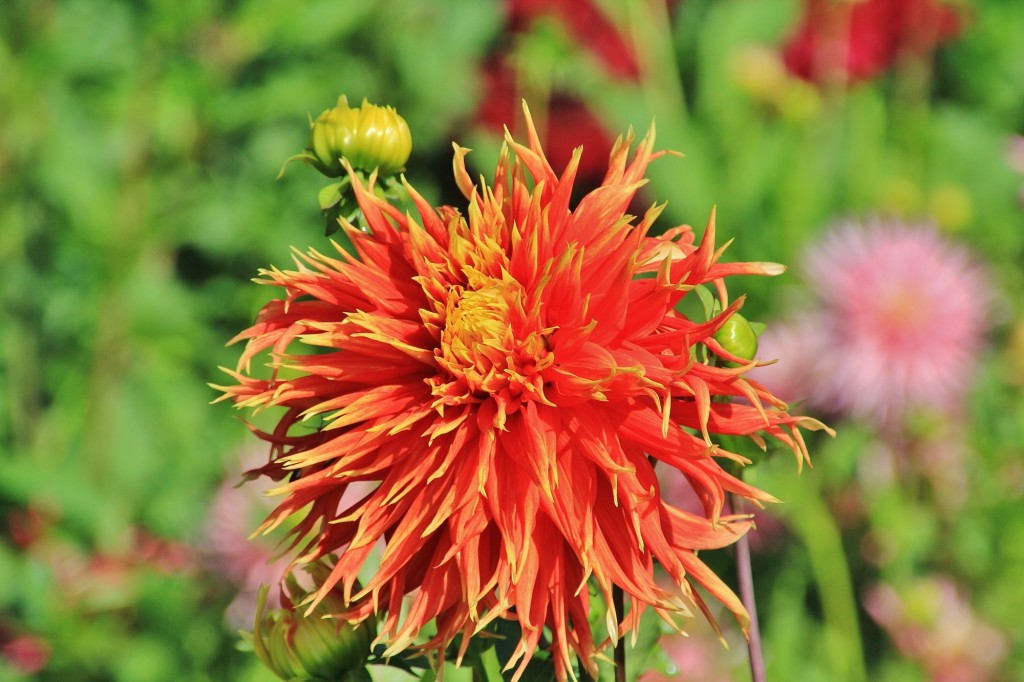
x=299 y=643
x=371 y=138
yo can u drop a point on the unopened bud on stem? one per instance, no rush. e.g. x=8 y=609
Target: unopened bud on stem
x=738 y=337
x=314 y=646
x=370 y=137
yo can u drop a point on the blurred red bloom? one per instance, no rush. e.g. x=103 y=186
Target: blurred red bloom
x=848 y=41
x=570 y=122
x=227 y=551
x=27 y=654
x=585 y=21
x=505 y=381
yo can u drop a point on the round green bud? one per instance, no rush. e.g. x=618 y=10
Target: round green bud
x=370 y=137
x=317 y=646
x=738 y=337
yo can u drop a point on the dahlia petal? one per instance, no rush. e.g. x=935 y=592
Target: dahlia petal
x=707 y=579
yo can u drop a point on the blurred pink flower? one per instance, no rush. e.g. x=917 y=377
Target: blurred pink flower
x=899 y=320
x=234 y=512
x=931 y=621
x=1015 y=158
x=902 y=319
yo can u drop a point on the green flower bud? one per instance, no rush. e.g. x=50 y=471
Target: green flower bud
x=738 y=337
x=296 y=646
x=370 y=137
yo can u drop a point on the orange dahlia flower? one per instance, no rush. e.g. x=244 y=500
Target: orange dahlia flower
x=507 y=378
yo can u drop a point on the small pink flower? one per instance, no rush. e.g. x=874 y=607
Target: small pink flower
x=903 y=315
x=26 y=653
x=1015 y=158
x=931 y=621
x=229 y=552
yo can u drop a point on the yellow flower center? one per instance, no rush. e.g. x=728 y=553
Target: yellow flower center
x=477 y=341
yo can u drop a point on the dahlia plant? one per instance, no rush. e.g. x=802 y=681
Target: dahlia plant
x=504 y=378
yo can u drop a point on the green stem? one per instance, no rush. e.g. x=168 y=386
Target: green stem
x=486 y=667
x=652 y=43
x=813 y=522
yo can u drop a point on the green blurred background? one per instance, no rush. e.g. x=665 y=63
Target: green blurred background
x=139 y=144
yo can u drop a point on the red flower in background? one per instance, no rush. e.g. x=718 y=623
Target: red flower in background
x=585 y=21
x=26 y=654
x=570 y=123
x=849 y=41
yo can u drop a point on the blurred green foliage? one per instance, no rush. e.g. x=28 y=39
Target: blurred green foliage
x=138 y=148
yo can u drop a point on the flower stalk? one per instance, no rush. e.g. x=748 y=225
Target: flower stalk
x=745 y=576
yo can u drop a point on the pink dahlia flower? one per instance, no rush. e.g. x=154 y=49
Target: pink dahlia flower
x=228 y=551
x=902 y=320
x=931 y=621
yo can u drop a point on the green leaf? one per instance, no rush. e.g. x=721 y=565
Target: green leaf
x=707 y=300
x=333 y=194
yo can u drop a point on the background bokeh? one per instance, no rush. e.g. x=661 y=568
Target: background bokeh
x=139 y=144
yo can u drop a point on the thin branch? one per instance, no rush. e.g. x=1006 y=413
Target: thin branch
x=746 y=579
